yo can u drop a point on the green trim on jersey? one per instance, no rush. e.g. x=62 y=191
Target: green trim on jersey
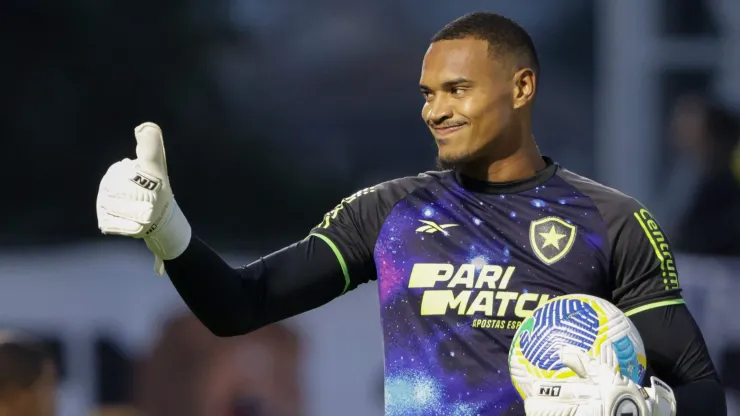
x=654 y=305
x=342 y=263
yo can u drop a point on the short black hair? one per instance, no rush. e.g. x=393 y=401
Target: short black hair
x=504 y=36
x=22 y=360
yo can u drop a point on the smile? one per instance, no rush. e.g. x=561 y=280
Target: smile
x=447 y=130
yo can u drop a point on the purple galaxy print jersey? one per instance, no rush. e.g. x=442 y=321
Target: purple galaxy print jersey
x=457 y=274
x=460 y=264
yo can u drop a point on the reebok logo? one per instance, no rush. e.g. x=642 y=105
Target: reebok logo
x=432 y=227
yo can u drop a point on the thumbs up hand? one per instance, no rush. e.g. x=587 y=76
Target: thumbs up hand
x=135 y=199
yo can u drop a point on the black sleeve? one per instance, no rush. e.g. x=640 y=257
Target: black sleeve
x=645 y=285
x=336 y=257
x=677 y=354
x=234 y=301
x=643 y=267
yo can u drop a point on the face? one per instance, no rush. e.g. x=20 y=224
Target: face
x=471 y=99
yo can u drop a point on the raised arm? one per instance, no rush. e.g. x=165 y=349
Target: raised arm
x=135 y=200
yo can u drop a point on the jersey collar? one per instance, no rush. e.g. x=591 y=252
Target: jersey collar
x=512 y=187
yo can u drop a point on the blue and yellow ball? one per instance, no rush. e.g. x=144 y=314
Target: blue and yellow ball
x=587 y=322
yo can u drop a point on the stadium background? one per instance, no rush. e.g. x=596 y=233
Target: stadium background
x=275 y=110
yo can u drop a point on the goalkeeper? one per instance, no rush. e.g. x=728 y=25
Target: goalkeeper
x=461 y=255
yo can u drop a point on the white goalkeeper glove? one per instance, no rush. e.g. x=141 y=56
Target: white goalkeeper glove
x=135 y=200
x=600 y=391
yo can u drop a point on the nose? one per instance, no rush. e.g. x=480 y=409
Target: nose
x=437 y=110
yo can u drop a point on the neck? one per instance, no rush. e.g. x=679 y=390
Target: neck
x=522 y=162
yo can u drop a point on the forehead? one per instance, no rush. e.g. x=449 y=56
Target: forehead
x=460 y=58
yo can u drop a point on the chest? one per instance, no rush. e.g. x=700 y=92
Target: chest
x=494 y=256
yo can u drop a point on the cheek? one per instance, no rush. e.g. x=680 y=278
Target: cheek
x=494 y=115
x=488 y=118
x=484 y=105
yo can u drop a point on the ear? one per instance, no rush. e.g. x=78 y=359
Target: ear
x=525 y=85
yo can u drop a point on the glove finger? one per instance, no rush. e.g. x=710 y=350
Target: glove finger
x=550 y=407
x=575 y=359
x=119 y=226
x=118 y=166
x=117 y=171
x=138 y=211
x=590 y=368
x=125 y=179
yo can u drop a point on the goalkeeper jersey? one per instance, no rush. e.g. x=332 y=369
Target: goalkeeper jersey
x=461 y=263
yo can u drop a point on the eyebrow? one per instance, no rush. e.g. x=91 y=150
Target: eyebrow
x=448 y=84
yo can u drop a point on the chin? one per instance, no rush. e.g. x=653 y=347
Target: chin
x=447 y=161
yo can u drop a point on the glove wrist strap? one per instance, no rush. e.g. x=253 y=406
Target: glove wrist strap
x=661 y=397
x=171 y=240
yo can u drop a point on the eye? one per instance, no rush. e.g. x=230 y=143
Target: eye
x=458 y=91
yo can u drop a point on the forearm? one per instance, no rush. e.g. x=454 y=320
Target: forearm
x=701 y=397
x=677 y=355
x=234 y=301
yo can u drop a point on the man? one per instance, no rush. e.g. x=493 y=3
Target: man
x=27 y=377
x=461 y=256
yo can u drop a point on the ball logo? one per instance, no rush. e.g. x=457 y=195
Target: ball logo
x=557 y=324
x=629 y=364
x=626 y=407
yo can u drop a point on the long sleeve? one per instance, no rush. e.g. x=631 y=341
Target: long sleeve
x=234 y=301
x=677 y=354
x=335 y=258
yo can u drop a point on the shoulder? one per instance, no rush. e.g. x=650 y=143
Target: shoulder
x=366 y=210
x=381 y=197
x=396 y=189
x=611 y=203
x=411 y=183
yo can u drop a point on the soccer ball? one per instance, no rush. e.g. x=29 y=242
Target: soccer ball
x=592 y=324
